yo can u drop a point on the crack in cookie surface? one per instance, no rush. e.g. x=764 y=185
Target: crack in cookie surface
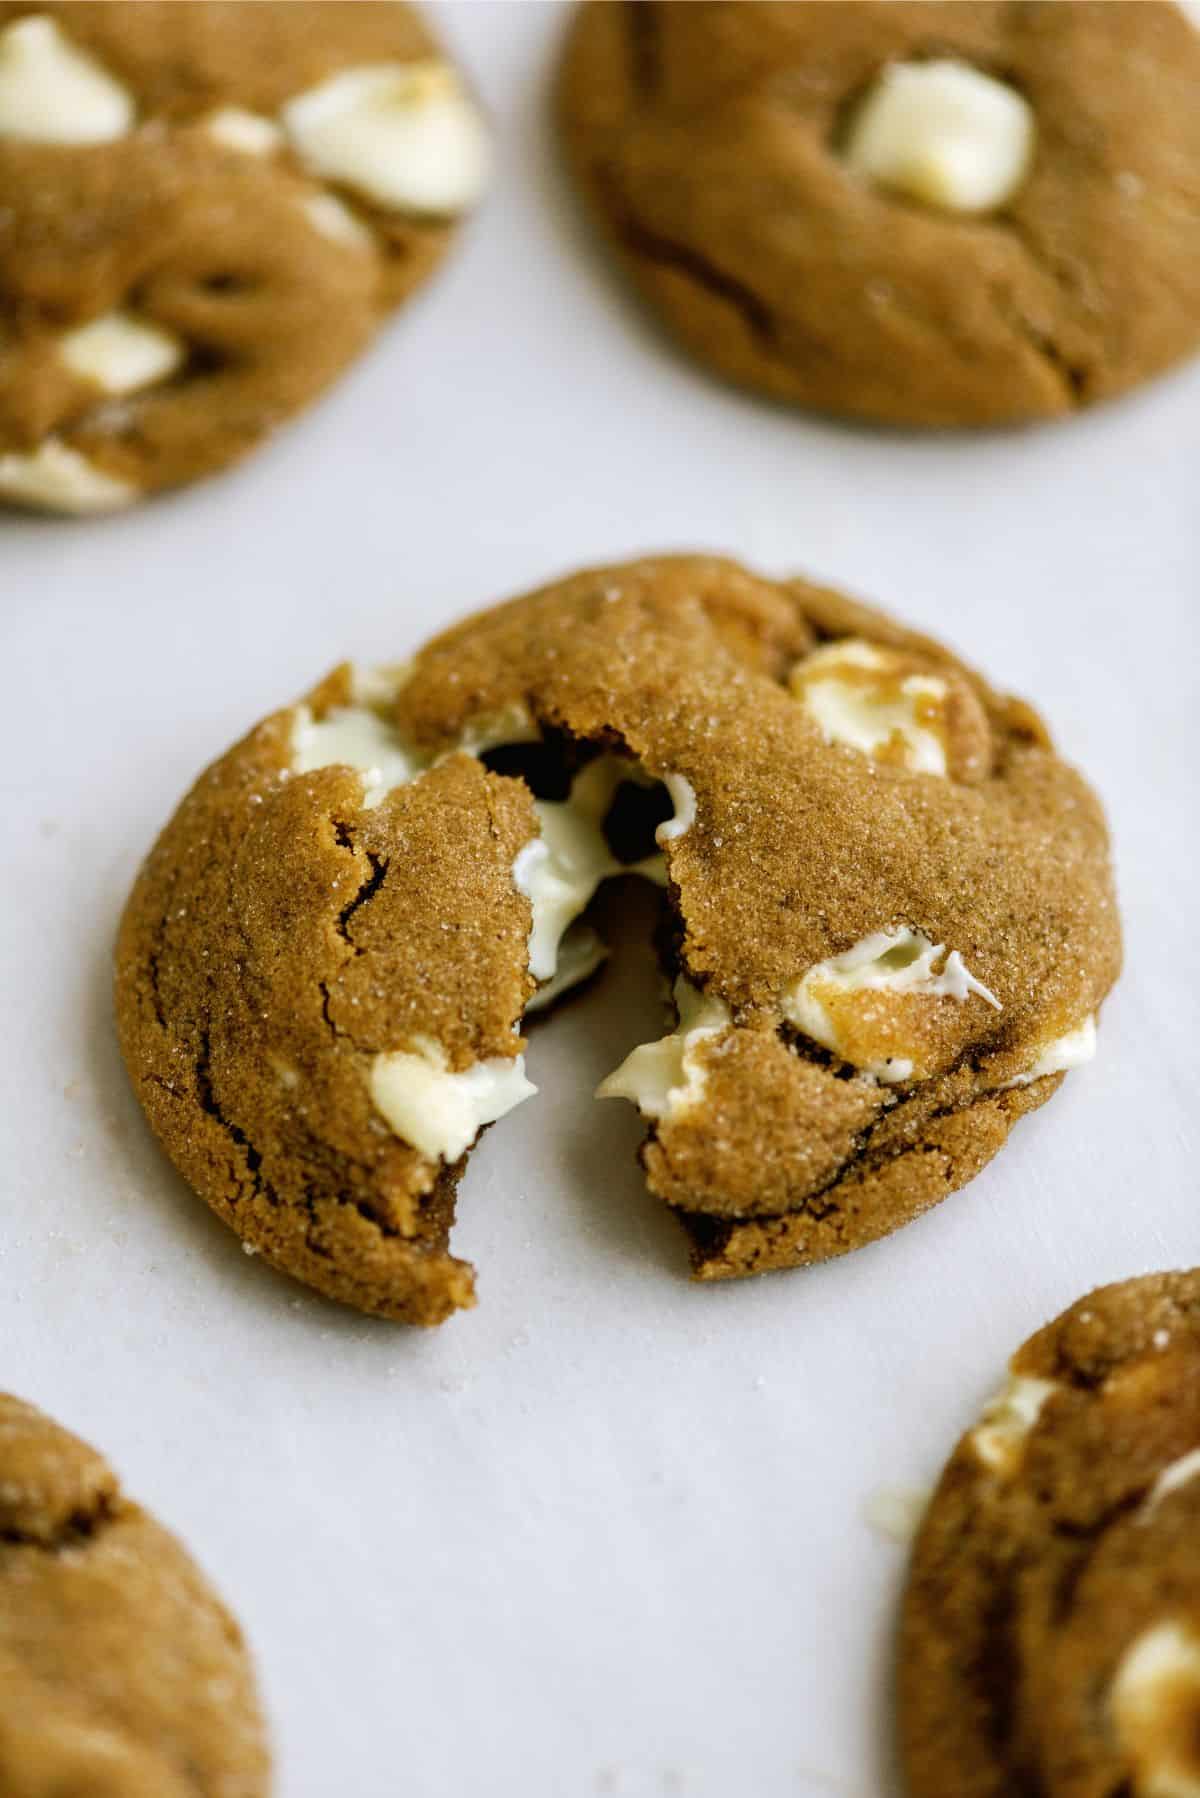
x=332 y=946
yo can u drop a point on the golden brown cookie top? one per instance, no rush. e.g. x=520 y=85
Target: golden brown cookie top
x=932 y=214
x=205 y=210
x=888 y=902
x=1051 y=1632
x=121 y=1673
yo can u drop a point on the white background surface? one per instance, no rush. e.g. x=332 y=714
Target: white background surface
x=605 y=1533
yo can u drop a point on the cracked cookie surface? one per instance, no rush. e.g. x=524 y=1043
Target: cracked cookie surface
x=206 y=210
x=888 y=914
x=715 y=146
x=1050 y=1640
x=122 y=1675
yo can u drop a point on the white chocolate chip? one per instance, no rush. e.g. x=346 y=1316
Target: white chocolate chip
x=353 y=737
x=120 y=353
x=1154 y=1699
x=52 y=93
x=665 y=1078
x=895 y=1512
x=247 y=132
x=579 y=955
x=56 y=478
x=944 y=133
x=1007 y=1419
x=328 y=215
x=404 y=134
x=559 y=870
x=438 y=1112
x=859 y=696
x=1062 y=1054
x=891 y=961
x=1179 y=1473
x=682 y=795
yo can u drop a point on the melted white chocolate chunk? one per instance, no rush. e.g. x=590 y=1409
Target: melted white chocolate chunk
x=1007 y=1419
x=56 y=478
x=860 y=696
x=121 y=353
x=835 y=999
x=1179 y=1473
x=438 y=1112
x=327 y=214
x=406 y=135
x=1154 y=1702
x=666 y=1078
x=560 y=869
x=1062 y=1054
x=247 y=132
x=52 y=93
x=943 y=133
x=356 y=737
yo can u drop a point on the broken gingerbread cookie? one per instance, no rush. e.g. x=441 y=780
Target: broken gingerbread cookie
x=206 y=210
x=122 y=1675
x=921 y=214
x=889 y=923
x=1050 y=1639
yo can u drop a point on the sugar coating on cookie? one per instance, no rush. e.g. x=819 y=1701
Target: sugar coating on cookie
x=120 y=1668
x=1050 y=1637
x=262 y=186
x=325 y=964
x=885 y=210
x=945 y=133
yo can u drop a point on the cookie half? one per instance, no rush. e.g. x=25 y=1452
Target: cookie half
x=926 y=214
x=888 y=925
x=1050 y=1640
x=205 y=212
x=122 y=1675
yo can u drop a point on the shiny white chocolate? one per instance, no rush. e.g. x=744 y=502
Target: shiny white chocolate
x=249 y=133
x=682 y=795
x=438 y=1112
x=53 y=93
x=56 y=478
x=327 y=214
x=895 y=961
x=121 y=353
x=666 y=1078
x=405 y=135
x=1179 y=1473
x=1060 y=1056
x=868 y=715
x=944 y=133
x=559 y=870
x=353 y=737
x=1007 y=1419
x=579 y=955
x=1153 y=1702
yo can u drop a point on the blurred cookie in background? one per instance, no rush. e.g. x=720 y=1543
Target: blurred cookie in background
x=1050 y=1639
x=122 y=1675
x=205 y=213
x=922 y=214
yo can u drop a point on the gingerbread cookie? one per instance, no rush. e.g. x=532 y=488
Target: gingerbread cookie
x=205 y=212
x=122 y=1675
x=889 y=924
x=1051 y=1630
x=926 y=214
